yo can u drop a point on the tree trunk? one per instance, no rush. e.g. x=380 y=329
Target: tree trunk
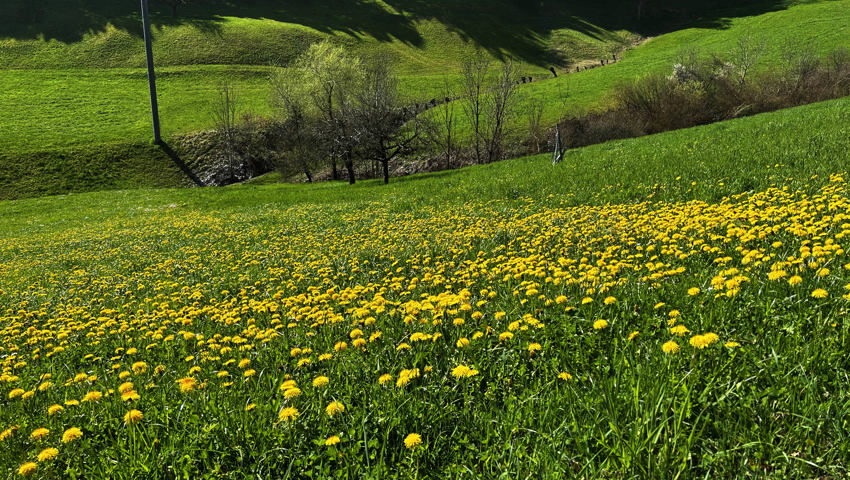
x=174 y=10
x=309 y=177
x=349 y=165
x=386 y=164
x=334 y=171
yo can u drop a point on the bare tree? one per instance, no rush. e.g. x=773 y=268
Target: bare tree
x=384 y=128
x=439 y=129
x=746 y=54
x=498 y=109
x=534 y=115
x=474 y=80
x=225 y=113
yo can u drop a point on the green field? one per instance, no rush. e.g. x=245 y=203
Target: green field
x=74 y=84
x=668 y=306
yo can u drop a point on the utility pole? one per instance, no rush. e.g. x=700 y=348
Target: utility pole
x=151 y=77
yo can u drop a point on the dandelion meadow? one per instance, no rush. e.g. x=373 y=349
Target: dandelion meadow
x=530 y=338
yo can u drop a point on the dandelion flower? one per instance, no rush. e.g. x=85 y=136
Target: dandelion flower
x=48 y=454
x=320 y=381
x=54 y=409
x=27 y=469
x=820 y=293
x=565 y=376
x=412 y=441
x=698 y=341
x=93 y=396
x=133 y=416
x=385 y=378
x=334 y=408
x=610 y=300
x=679 y=330
x=462 y=371
x=140 y=368
x=249 y=373
x=731 y=344
x=505 y=336
x=287 y=414
x=670 y=347
x=125 y=387
x=795 y=280
x=534 y=347
x=693 y=291
x=39 y=433
x=331 y=441
x=187 y=384
x=600 y=324
x=71 y=435
x=16 y=393
x=633 y=335
x=292 y=392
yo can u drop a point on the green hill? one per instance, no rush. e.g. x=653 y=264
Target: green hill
x=72 y=81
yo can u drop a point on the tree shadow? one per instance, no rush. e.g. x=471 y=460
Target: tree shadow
x=517 y=28
x=70 y=20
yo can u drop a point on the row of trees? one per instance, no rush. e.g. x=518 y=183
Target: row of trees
x=337 y=111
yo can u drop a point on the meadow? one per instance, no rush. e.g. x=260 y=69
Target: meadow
x=669 y=306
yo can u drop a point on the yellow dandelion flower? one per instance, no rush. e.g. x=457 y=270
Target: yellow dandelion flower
x=48 y=454
x=244 y=363
x=359 y=342
x=249 y=373
x=331 y=441
x=462 y=342
x=600 y=324
x=140 y=368
x=187 y=384
x=334 y=408
x=679 y=330
x=340 y=346
x=693 y=291
x=698 y=341
x=130 y=396
x=39 y=433
x=292 y=392
x=565 y=376
x=795 y=280
x=534 y=347
x=133 y=416
x=8 y=433
x=27 y=469
x=287 y=414
x=505 y=336
x=462 y=371
x=320 y=381
x=670 y=347
x=633 y=335
x=820 y=293
x=731 y=344
x=412 y=441
x=54 y=410
x=385 y=378
x=71 y=435
x=15 y=393
x=610 y=300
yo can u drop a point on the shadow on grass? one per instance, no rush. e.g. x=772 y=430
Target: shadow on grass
x=181 y=164
x=518 y=28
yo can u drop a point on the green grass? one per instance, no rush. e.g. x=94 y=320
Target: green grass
x=643 y=221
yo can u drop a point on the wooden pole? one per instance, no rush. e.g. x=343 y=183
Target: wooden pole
x=151 y=77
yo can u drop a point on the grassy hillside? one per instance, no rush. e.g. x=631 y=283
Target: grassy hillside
x=670 y=306
x=52 y=107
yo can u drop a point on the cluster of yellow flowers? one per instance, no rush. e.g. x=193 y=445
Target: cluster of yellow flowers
x=218 y=308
